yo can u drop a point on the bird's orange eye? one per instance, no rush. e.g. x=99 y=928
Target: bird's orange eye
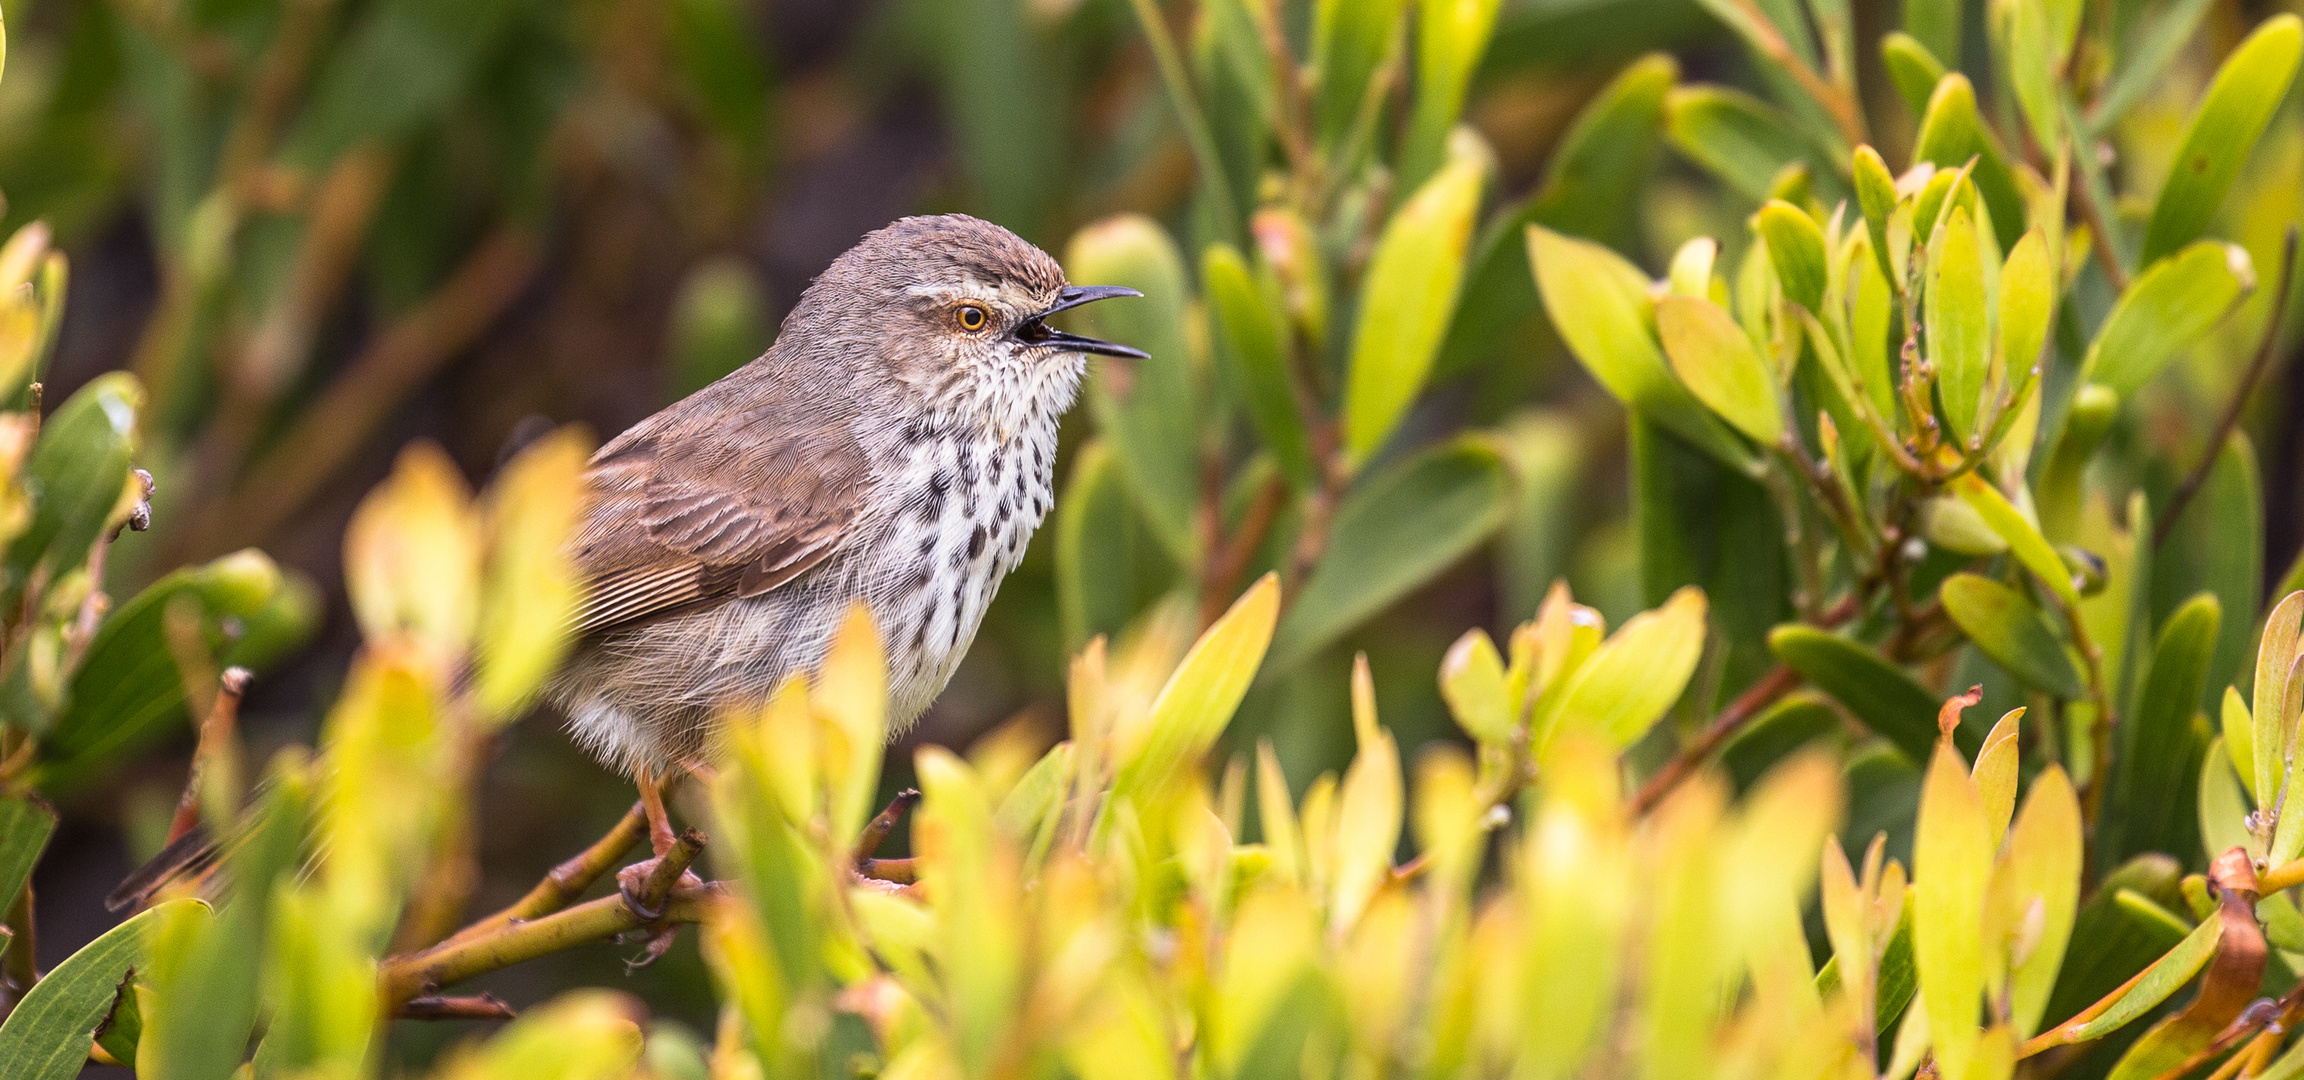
x=972 y=317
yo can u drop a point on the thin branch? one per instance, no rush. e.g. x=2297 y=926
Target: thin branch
x=1197 y=134
x=567 y=881
x=1752 y=702
x=876 y=831
x=1227 y=560
x=217 y=732
x=2093 y=215
x=392 y=367
x=1842 y=107
x=457 y=959
x=2258 y=364
x=663 y=873
x=474 y=1007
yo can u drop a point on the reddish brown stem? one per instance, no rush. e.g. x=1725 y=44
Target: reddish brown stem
x=883 y=823
x=472 y=1007
x=2258 y=364
x=1747 y=705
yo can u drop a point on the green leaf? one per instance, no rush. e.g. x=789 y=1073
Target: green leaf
x=1600 y=305
x=2153 y=793
x=2120 y=930
x=2027 y=307
x=1881 y=695
x=2012 y=631
x=1199 y=698
x=203 y=976
x=1716 y=360
x=1799 y=719
x=719 y=322
x=48 y=1035
x=2045 y=856
x=1951 y=134
x=1395 y=531
x=1252 y=329
x=1959 y=324
x=2145 y=53
x=1629 y=683
x=1737 y=137
x=2217 y=545
x=1472 y=683
x=78 y=473
x=1349 y=40
x=1589 y=189
x=2159 y=982
x=1148 y=410
x=1405 y=300
x=1108 y=566
x=1951 y=866
x=2270 y=725
x=2025 y=541
x=128 y=688
x=1935 y=25
x=2232 y=115
x=1876 y=196
x=2057 y=494
x=1913 y=68
x=2166 y=309
x=2032 y=69
x=1796 y=247
x=25 y=825
x=1451 y=36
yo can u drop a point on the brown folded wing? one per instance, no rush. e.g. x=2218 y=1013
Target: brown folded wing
x=678 y=522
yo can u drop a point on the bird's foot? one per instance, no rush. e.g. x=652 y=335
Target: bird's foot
x=647 y=886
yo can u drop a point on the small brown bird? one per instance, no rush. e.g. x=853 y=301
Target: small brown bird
x=895 y=446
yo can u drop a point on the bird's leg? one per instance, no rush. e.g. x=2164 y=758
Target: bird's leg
x=660 y=834
x=893 y=875
x=644 y=885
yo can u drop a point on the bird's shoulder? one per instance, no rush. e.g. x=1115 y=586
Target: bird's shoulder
x=729 y=493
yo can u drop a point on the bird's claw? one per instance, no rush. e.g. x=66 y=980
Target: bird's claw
x=632 y=883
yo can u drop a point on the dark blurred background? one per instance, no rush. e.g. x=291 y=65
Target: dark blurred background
x=319 y=229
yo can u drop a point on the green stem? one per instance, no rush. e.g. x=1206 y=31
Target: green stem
x=1197 y=133
x=465 y=957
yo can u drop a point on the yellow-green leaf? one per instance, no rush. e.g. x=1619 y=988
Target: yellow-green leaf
x=2272 y=728
x=412 y=557
x=2165 y=310
x=1796 y=246
x=1199 y=698
x=1599 y=303
x=1951 y=864
x=1717 y=361
x=2025 y=541
x=1472 y=682
x=1636 y=675
x=2044 y=862
x=1406 y=298
x=530 y=591
x=2234 y=112
x=2012 y=631
x=1959 y=325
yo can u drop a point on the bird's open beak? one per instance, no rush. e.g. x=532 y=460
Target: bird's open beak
x=1036 y=331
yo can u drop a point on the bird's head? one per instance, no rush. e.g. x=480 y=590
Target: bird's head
x=955 y=303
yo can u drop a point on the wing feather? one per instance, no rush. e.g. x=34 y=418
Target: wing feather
x=678 y=522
